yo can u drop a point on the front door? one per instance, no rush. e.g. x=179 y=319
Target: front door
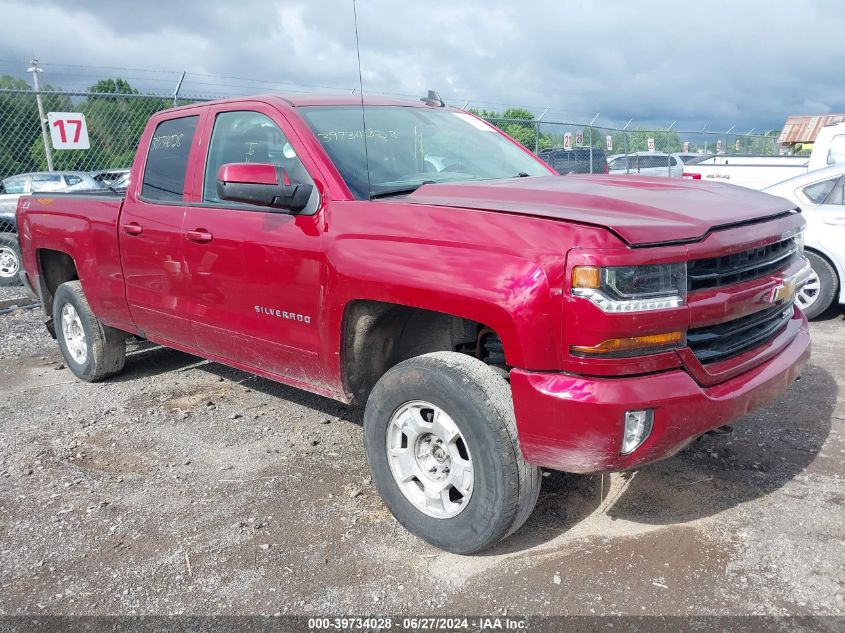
x=255 y=274
x=150 y=235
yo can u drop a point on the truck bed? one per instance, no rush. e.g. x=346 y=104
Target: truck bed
x=84 y=225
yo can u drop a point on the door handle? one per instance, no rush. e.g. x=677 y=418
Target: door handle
x=200 y=236
x=133 y=228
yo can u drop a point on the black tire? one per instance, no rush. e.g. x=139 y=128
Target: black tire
x=105 y=347
x=828 y=285
x=479 y=401
x=10 y=260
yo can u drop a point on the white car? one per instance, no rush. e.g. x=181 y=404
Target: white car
x=758 y=172
x=821 y=196
x=646 y=164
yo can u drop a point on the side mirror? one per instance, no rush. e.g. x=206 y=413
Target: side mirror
x=261 y=184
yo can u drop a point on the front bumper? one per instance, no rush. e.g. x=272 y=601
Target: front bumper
x=575 y=423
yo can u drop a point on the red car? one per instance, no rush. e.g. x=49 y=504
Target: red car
x=492 y=317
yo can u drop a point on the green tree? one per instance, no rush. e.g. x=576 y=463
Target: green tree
x=21 y=145
x=115 y=121
x=517 y=123
x=663 y=141
x=19 y=127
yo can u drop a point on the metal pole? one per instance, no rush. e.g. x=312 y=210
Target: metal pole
x=34 y=69
x=705 y=137
x=464 y=107
x=625 y=137
x=178 y=87
x=591 y=140
x=668 y=152
x=537 y=131
x=726 y=137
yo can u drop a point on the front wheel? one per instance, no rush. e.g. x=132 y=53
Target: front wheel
x=821 y=288
x=10 y=260
x=92 y=350
x=441 y=442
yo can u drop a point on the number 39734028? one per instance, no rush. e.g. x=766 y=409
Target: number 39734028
x=68 y=130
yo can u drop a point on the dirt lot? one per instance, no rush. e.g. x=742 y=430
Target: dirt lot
x=187 y=487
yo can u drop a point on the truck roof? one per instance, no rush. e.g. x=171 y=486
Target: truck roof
x=303 y=100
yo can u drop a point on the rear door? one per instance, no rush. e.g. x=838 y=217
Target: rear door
x=254 y=274
x=829 y=221
x=150 y=233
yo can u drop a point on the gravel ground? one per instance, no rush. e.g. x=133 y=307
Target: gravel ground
x=9 y=293
x=183 y=486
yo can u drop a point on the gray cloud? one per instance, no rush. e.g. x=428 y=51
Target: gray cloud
x=750 y=63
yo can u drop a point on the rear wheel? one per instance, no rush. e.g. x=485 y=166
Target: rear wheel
x=10 y=260
x=820 y=290
x=92 y=350
x=441 y=442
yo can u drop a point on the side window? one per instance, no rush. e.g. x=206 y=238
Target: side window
x=15 y=184
x=673 y=161
x=249 y=137
x=836 y=153
x=818 y=191
x=46 y=182
x=837 y=194
x=72 y=180
x=167 y=160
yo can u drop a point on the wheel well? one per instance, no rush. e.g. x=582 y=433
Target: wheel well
x=824 y=256
x=56 y=268
x=379 y=335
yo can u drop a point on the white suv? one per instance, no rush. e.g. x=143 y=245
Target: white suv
x=646 y=164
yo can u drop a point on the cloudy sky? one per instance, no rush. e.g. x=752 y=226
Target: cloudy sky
x=749 y=63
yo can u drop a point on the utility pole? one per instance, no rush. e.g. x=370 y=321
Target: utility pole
x=178 y=88
x=537 y=130
x=625 y=138
x=591 y=140
x=669 y=149
x=34 y=69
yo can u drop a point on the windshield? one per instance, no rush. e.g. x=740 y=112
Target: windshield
x=408 y=147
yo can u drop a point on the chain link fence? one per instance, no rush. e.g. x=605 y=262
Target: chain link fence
x=115 y=122
x=590 y=148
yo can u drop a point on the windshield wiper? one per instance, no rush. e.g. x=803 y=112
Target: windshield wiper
x=399 y=191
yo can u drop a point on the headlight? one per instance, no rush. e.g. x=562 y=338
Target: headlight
x=632 y=288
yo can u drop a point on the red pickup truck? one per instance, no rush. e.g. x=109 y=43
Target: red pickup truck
x=493 y=317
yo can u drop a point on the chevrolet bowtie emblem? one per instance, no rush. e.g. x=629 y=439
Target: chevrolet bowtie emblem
x=784 y=291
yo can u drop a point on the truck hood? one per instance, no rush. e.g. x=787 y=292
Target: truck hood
x=640 y=210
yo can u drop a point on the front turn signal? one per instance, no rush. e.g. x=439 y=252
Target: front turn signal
x=634 y=346
x=586 y=277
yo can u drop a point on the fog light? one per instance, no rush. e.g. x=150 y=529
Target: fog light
x=637 y=428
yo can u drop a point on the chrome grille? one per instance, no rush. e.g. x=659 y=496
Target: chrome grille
x=715 y=272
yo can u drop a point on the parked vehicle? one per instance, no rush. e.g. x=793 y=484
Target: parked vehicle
x=107 y=177
x=493 y=317
x=759 y=172
x=646 y=164
x=575 y=161
x=11 y=189
x=688 y=157
x=821 y=196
